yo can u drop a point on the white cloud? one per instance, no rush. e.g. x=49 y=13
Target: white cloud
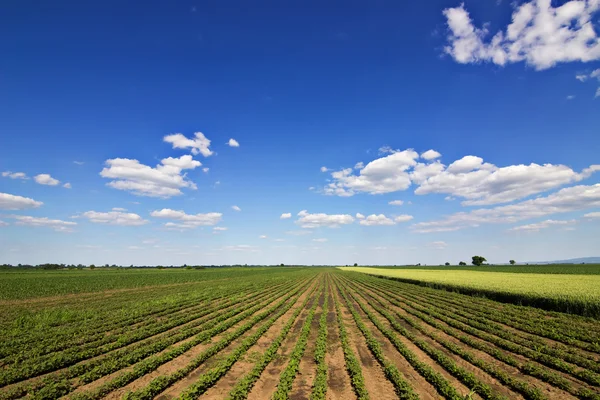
x=199 y=144
x=233 y=143
x=320 y=240
x=236 y=208
x=187 y=221
x=119 y=209
x=205 y=170
x=2 y=223
x=570 y=199
x=477 y=182
x=307 y=220
x=78 y=162
x=374 y=219
x=286 y=216
x=430 y=155
x=134 y=248
x=396 y=203
x=384 y=175
x=164 y=181
x=570 y=97
x=67 y=185
x=219 y=228
x=483 y=183
x=360 y=216
x=539 y=34
x=56 y=224
x=403 y=218
x=115 y=218
x=359 y=165
x=46 y=179
x=324 y=169
x=262 y=237
x=386 y=150
x=592 y=215
x=13 y=202
x=14 y=175
x=541 y=225
x=584 y=77
x=279 y=240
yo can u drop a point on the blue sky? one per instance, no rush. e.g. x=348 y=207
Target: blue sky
x=110 y=97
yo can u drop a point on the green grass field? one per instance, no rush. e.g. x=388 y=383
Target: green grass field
x=570 y=292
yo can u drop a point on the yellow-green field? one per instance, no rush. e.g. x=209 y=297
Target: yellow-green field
x=559 y=288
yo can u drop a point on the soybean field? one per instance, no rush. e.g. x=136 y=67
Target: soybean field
x=282 y=333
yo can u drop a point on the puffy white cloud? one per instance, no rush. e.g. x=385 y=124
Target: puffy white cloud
x=482 y=183
x=14 y=175
x=575 y=198
x=542 y=225
x=386 y=150
x=320 y=240
x=187 y=221
x=13 y=202
x=236 y=208
x=164 y=181
x=119 y=209
x=570 y=97
x=592 y=215
x=67 y=185
x=307 y=220
x=262 y=237
x=383 y=175
x=233 y=143
x=205 y=170
x=359 y=165
x=219 y=228
x=115 y=217
x=380 y=219
x=199 y=144
x=56 y=224
x=279 y=240
x=403 y=218
x=374 y=219
x=396 y=203
x=430 y=155
x=324 y=169
x=539 y=34
x=286 y=216
x=46 y=179
x=360 y=216
x=470 y=178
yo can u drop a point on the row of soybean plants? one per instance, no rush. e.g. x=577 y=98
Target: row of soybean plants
x=473 y=339
x=144 y=355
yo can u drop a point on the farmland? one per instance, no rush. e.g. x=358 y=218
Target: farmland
x=298 y=333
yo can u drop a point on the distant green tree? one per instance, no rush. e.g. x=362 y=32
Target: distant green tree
x=478 y=260
x=356 y=264
x=92 y=266
x=462 y=263
x=282 y=265
x=160 y=267
x=447 y=263
x=512 y=262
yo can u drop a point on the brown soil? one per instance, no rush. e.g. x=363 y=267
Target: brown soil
x=307 y=370
x=375 y=381
x=245 y=365
x=339 y=386
x=266 y=385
